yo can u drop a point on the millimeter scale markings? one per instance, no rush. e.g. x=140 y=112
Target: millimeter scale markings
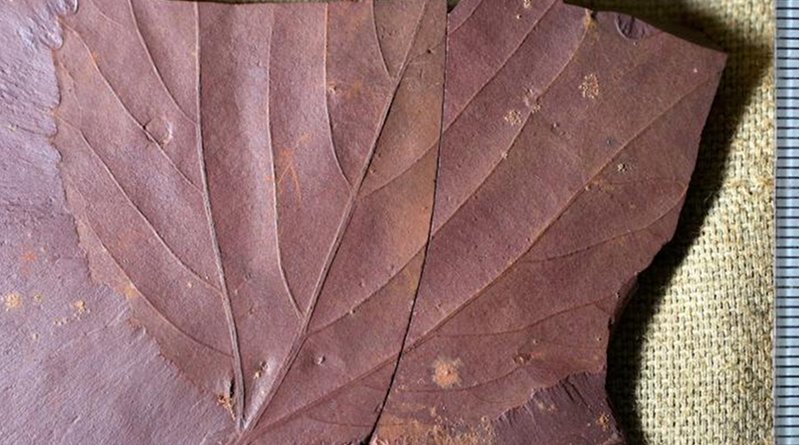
x=786 y=225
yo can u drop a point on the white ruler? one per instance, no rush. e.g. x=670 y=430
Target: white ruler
x=786 y=223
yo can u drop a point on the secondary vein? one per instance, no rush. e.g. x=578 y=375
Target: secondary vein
x=238 y=389
x=334 y=248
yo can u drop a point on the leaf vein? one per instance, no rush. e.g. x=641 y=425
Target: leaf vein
x=561 y=211
x=127 y=110
x=507 y=59
x=152 y=61
x=459 y=114
x=239 y=390
x=348 y=212
x=276 y=180
x=467 y=18
x=378 y=40
x=138 y=210
x=327 y=105
x=145 y=297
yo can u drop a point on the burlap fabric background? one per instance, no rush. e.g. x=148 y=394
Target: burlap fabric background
x=691 y=363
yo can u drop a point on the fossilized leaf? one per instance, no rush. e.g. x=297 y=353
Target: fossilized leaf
x=330 y=223
x=222 y=164
x=567 y=151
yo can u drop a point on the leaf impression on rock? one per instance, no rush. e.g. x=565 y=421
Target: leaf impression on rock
x=222 y=163
x=344 y=222
x=568 y=145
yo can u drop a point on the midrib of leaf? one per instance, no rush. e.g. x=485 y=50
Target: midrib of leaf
x=238 y=387
x=301 y=337
x=428 y=333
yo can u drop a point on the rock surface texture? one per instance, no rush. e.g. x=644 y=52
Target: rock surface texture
x=340 y=223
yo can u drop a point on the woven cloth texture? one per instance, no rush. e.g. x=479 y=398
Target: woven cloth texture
x=691 y=362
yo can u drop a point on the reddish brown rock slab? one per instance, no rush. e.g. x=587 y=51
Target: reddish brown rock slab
x=330 y=223
x=569 y=142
